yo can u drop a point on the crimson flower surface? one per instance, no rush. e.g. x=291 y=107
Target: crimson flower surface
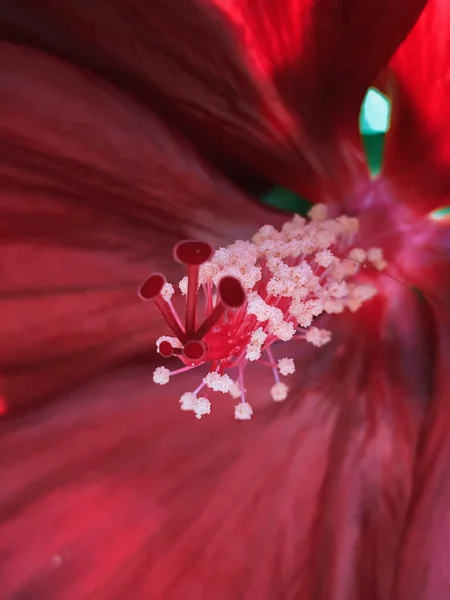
x=129 y=126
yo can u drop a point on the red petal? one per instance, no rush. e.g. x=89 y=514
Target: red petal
x=418 y=153
x=425 y=263
x=180 y=58
x=423 y=566
x=323 y=54
x=120 y=494
x=95 y=191
x=212 y=76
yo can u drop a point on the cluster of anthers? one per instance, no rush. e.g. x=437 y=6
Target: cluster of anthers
x=255 y=293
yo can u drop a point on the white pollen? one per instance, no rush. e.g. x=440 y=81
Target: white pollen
x=167 y=291
x=338 y=289
x=243 y=411
x=305 y=311
x=318 y=212
x=293 y=228
x=334 y=306
x=219 y=383
x=324 y=258
x=279 y=391
x=357 y=254
x=380 y=264
x=255 y=344
x=348 y=224
x=187 y=401
x=235 y=390
x=258 y=336
x=375 y=256
x=338 y=271
x=253 y=353
x=267 y=232
x=286 y=366
x=183 y=285
x=282 y=330
x=161 y=375
x=318 y=337
x=202 y=406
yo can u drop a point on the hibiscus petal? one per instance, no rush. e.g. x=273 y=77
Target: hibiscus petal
x=118 y=493
x=323 y=54
x=95 y=191
x=423 y=565
x=181 y=59
x=209 y=67
x=425 y=263
x=418 y=150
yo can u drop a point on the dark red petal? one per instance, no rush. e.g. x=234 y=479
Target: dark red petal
x=119 y=493
x=425 y=263
x=423 y=558
x=95 y=191
x=418 y=151
x=182 y=59
x=322 y=54
x=210 y=68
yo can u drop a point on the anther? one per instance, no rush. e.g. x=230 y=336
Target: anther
x=192 y=254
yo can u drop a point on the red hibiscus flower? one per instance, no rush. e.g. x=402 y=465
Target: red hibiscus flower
x=128 y=126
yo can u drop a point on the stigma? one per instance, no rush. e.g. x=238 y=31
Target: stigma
x=243 y=299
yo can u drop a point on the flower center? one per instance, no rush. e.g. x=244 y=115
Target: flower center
x=255 y=293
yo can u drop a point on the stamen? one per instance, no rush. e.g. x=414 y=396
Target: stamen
x=183 y=370
x=192 y=254
x=274 y=369
x=199 y=387
x=256 y=293
x=241 y=382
